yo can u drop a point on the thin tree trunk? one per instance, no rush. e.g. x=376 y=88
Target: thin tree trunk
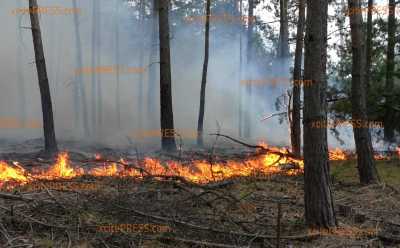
x=248 y=121
x=117 y=90
x=47 y=109
x=98 y=62
x=152 y=73
x=319 y=209
x=283 y=46
x=166 y=117
x=362 y=137
x=78 y=79
x=296 y=114
x=141 y=59
x=204 y=76
x=240 y=70
x=369 y=45
x=93 y=62
x=388 y=121
x=20 y=71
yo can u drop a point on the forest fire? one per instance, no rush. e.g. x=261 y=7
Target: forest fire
x=197 y=171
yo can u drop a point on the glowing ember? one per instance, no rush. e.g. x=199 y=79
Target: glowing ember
x=97 y=156
x=398 y=151
x=337 y=154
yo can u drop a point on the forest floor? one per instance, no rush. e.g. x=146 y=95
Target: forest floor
x=239 y=212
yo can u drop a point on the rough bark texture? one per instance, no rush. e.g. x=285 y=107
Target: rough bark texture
x=296 y=114
x=247 y=119
x=204 y=77
x=47 y=109
x=81 y=94
x=319 y=209
x=388 y=121
x=283 y=46
x=362 y=137
x=166 y=115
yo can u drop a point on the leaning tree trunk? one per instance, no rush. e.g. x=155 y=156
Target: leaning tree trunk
x=166 y=114
x=318 y=198
x=388 y=119
x=204 y=77
x=78 y=80
x=247 y=119
x=362 y=137
x=47 y=109
x=295 y=129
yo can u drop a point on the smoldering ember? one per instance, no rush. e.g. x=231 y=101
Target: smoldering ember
x=199 y=123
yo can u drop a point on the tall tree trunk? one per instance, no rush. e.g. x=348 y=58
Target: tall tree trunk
x=78 y=80
x=98 y=62
x=318 y=198
x=388 y=121
x=20 y=71
x=362 y=137
x=369 y=46
x=295 y=129
x=283 y=46
x=166 y=115
x=204 y=76
x=152 y=73
x=117 y=90
x=47 y=109
x=93 y=62
x=247 y=120
x=240 y=70
x=142 y=14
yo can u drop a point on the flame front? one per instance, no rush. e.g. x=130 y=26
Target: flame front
x=61 y=169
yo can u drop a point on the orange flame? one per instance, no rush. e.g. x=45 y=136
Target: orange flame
x=337 y=154
x=197 y=171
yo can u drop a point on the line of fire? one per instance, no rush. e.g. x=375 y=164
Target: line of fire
x=199 y=123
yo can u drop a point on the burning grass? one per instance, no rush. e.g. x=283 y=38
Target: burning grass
x=220 y=202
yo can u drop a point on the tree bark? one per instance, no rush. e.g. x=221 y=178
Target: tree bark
x=142 y=14
x=296 y=113
x=365 y=156
x=388 y=119
x=166 y=114
x=47 y=109
x=78 y=80
x=318 y=198
x=204 y=76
